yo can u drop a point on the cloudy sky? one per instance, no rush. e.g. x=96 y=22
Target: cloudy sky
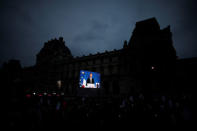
x=89 y=26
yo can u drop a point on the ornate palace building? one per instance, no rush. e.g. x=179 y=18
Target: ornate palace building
x=146 y=62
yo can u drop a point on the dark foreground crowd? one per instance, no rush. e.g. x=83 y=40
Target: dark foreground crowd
x=46 y=112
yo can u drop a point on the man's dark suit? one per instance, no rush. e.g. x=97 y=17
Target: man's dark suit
x=88 y=81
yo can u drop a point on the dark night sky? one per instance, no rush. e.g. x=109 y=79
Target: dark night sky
x=89 y=26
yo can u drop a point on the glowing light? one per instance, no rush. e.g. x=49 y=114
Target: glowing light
x=59 y=84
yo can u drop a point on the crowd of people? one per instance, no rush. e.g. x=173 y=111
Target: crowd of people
x=59 y=111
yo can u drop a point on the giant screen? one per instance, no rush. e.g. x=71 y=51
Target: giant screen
x=89 y=79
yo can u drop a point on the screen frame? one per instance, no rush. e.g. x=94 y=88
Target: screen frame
x=97 y=79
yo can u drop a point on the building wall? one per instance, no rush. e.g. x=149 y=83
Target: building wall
x=147 y=57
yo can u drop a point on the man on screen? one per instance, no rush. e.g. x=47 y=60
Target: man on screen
x=90 y=80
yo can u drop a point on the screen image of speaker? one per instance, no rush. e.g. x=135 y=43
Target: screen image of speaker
x=89 y=79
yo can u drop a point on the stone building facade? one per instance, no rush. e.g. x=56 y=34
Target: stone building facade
x=144 y=63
